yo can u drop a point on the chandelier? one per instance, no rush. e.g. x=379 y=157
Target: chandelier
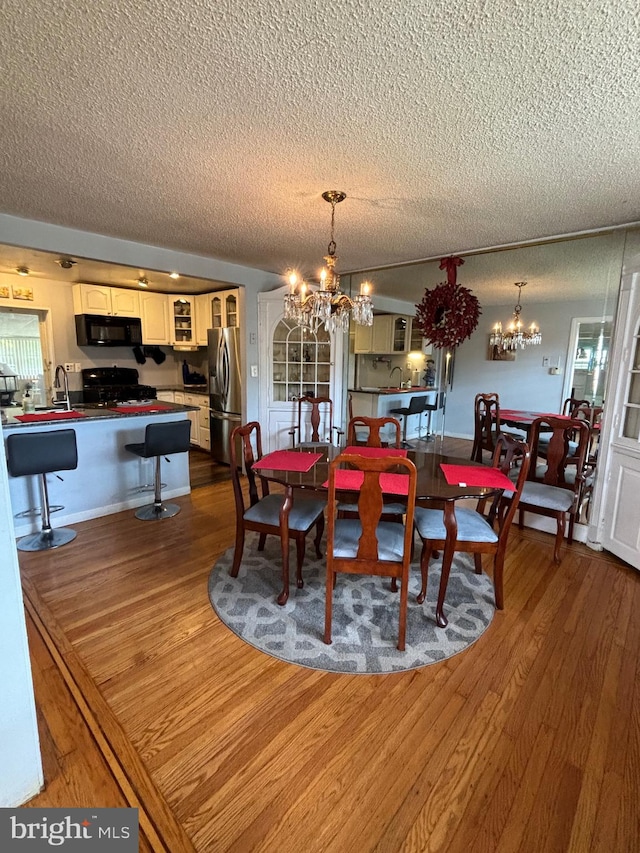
x=515 y=335
x=329 y=305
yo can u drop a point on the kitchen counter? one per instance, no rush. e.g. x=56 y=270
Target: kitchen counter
x=378 y=402
x=108 y=478
x=59 y=417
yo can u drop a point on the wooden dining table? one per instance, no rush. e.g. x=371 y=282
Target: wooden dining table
x=431 y=488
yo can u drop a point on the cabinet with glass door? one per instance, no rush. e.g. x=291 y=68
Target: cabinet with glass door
x=181 y=313
x=301 y=362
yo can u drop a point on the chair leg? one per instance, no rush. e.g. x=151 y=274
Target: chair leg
x=300 y=548
x=477 y=561
x=562 y=523
x=498 y=571
x=262 y=541
x=328 y=604
x=237 y=554
x=318 y=537
x=404 y=592
x=425 y=556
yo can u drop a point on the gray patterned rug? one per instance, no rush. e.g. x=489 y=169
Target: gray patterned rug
x=365 y=612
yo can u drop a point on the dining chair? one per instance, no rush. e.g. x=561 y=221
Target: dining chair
x=368 y=545
x=555 y=489
x=369 y=431
x=476 y=533
x=571 y=404
x=262 y=511
x=315 y=422
x=486 y=424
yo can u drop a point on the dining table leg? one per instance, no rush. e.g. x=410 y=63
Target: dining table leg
x=284 y=540
x=451 y=527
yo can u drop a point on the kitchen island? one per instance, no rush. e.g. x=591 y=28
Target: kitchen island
x=378 y=402
x=108 y=478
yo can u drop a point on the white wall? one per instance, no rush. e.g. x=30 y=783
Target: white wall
x=20 y=766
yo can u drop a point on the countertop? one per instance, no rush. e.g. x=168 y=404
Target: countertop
x=415 y=389
x=88 y=414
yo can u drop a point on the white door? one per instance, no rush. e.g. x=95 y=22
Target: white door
x=618 y=505
x=294 y=365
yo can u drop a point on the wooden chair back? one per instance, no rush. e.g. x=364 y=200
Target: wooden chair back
x=248 y=440
x=567 y=446
x=371 y=535
x=571 y=404
x=315 y=421
x=374 y=427
x=486 y=424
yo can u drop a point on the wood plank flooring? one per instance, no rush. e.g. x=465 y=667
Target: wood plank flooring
x=528 y=741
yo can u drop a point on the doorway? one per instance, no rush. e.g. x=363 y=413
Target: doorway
x=588 y=359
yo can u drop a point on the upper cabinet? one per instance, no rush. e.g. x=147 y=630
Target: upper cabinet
x=106 y=301
x=154 y=311
x=390 y=333
x=182 y=320
x=224 y=309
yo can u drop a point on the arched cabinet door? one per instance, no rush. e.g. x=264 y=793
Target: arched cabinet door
x=294 y=363
x=616 y=510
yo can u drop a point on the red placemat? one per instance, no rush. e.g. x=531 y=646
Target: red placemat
x=375 y=452
x=391 y=484
x=476 y=475
x=138 y=410
x=49 y=416
x=288 y=460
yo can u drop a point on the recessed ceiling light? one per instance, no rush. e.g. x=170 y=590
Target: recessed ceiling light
x=174 y=275
x=143 y=281
x=22 y=270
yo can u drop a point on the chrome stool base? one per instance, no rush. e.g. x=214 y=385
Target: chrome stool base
x=154 y=512
x=46 y=540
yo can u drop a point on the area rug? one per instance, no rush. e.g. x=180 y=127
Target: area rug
x=365 y=612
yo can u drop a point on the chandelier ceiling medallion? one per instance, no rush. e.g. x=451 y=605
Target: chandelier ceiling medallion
x=328 y=304
x=516 y=335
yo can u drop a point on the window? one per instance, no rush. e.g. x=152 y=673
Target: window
x=21 y=348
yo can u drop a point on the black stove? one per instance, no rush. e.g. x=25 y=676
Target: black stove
x=104 y=386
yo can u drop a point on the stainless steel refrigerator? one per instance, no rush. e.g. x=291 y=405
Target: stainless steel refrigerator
x=225 y=389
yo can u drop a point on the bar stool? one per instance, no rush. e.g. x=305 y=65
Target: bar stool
x=430 y=408
x=43 y=453
x=161 y=439
x=416 y=407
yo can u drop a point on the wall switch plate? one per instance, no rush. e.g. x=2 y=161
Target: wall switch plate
x=252 y=338
x=78 y=367
x=254 y=371
x=545 y=361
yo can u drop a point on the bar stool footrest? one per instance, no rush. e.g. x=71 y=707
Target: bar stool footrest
x=36 y=511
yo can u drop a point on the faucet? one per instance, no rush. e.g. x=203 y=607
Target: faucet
x=56 y=384
x=391 y=372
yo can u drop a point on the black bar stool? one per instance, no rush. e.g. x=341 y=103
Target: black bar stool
x=43 y=453
x=430 y=408
x=416 y=407
x=161 y=439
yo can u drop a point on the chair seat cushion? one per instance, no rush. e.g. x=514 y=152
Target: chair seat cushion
x=472 y=527
x=547 y=497
x=390 y=536
x=304 y=512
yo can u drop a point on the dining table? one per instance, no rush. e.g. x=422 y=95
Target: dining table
x=464 y=479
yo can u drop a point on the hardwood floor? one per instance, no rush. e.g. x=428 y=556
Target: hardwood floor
x=528 y=741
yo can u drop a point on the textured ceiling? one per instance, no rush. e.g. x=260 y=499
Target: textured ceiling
x=213 y=126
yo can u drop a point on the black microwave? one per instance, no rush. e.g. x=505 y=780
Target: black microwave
x=98 y=331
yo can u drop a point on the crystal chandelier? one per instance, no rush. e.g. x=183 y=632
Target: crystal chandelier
x=328 y=305
x=515 y=335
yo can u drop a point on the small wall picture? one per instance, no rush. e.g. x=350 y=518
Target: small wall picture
x=22 y=293
x=4 y=292
x=498 y=354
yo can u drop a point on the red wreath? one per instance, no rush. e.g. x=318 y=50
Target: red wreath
x=449 y=313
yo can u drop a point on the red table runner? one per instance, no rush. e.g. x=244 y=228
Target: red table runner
x=476 y=475
x=391 y=484
x=288 y=460
x=375 y=452
x=138 y=410
x=49 y=416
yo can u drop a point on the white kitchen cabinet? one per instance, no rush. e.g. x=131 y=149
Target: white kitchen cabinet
x=182 y=320
x=204 y=426
x=105 y=301
x=154 y=311
x=197 y=418
x=203 y=318
x=390 y=333
x=166 y=396
x=224 y=309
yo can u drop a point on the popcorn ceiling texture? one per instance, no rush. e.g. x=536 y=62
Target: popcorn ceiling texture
x=213 y=126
